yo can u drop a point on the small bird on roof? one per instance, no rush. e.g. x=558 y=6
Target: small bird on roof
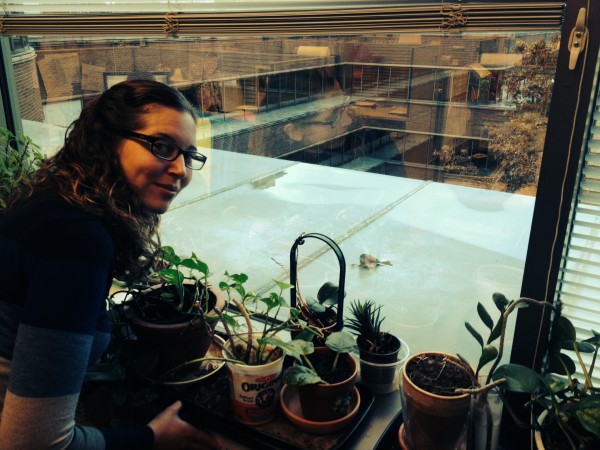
x=370 y=262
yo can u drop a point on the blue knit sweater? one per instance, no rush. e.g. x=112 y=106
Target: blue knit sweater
x=55 y=272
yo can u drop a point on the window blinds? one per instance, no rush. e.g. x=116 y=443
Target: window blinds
x=579 y=281
x=264 y=18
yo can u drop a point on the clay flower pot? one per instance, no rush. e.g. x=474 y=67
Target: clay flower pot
x=176 y=343
x=432 y=421
x=290 y=405
x=326 y=402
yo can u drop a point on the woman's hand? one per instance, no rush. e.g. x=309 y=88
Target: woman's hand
x=171 y=432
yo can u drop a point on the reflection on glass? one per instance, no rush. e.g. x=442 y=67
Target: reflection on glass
x=454 y=122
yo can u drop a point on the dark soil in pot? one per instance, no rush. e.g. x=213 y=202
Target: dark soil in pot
x=387 y=351
x=323 y=363
x=151 y=306
x=436 y=375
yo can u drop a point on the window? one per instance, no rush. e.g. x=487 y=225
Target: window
x=394 y=142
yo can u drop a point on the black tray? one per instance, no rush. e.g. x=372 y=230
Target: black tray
x=389 y=439
x=208 y=404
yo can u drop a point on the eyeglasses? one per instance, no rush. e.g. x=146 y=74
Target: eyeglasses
x=166 y=149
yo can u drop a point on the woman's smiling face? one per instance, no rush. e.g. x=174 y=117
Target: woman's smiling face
x=157 y=181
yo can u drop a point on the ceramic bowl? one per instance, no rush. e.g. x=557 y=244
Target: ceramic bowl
x=290 y=405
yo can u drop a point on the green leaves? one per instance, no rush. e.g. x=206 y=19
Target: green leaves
x=301 y=376
x=341 y=342
x=519 y=378
x=588 y=413
x=298 y=347
x=172 y=276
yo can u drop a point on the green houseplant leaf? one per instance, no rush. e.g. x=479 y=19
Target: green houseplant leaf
x=520 y=378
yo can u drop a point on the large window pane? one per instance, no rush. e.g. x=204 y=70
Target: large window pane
x=423 y=150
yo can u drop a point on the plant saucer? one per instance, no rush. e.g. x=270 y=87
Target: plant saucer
x=197 y=372
x=290 y=404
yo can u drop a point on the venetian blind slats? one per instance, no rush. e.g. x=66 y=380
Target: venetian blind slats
x=284 y=18
x=579 y=283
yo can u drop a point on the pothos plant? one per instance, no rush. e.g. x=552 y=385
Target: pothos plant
x=178 y=288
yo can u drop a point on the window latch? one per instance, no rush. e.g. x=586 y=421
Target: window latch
x=578 y=39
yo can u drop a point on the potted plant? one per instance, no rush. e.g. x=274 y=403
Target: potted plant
x=568 y=409
x=378 y=350
x=254 y=352
x=325 y=377
x=250 y=349
x=488 y=400
x=172 y=314
x=19 y=159
x=323 y=315
x=435 y=415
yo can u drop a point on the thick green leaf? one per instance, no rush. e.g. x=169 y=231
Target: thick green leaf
x=563 y=331
x=172 y=276
x=195 y=264
x=555 y=384
x=519 y=378
x=500 y=301
x=168 y=254
x=302 y=346
x=582 y=347
x=230 y=320
x=496 y=332
x=488 y=354
x=272 y=301
x=595 y=339
x=239 y=278
x=300 y=375
x=475 y=334
x=588 y=413
x=341 y=342
x=314 y=305
x=307 y=335
x=282 y=285
x=290 y=349
x=484 y=316
x=561 y=364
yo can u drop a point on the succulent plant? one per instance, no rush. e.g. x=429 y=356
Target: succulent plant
x=365 y=322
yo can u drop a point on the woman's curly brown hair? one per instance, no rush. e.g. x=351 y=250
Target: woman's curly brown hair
x=86 y=171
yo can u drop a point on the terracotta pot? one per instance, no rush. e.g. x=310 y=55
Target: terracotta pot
x=176 y=343
x=432 y=421
x=327 y=402
x=290 y=405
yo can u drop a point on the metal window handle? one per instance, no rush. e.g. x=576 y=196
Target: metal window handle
x=578 y=39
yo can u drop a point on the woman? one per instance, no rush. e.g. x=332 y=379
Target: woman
x=90 y=214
